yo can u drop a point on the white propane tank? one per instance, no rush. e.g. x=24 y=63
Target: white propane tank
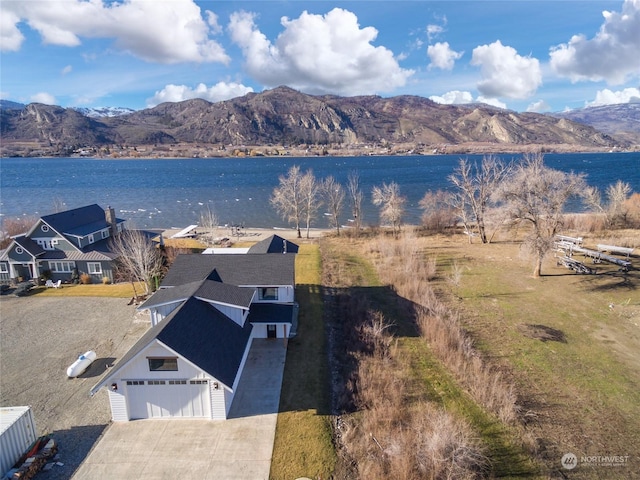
x=81 y=364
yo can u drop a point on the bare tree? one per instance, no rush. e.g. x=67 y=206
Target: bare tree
x=536 y=195
x=616 y=209
x=477 y=183
x=391 y=204
x=12 y=226
x=355 y=199
x=437 y=211
x=333 y=194
x=310 y=190
x=287 y=198
x=209 y=226
x=138 y=258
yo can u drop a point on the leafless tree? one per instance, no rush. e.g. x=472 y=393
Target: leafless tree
x=312 y=202
x=12 y=226
x=209 y=226
x=333 y=194
x=138 y=258
x=391 y=204
x=477 y=183
x=536 y=195
x=437 y=211
x=288 y=199
x=616 y=209
x=355 y=199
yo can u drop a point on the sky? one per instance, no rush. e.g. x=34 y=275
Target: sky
x=539 y=56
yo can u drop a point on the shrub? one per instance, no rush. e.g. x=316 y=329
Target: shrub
x=85 y=278
x=106 y=281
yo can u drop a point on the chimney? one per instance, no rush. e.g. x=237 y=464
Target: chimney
x=110 y=217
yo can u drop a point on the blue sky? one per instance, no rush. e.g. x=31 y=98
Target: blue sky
x=545 y=55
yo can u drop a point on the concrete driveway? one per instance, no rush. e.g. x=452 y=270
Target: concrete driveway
x=238 y=448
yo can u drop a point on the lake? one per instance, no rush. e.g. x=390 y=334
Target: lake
x=166 y=193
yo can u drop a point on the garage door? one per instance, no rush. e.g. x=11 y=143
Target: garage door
x=168 y=398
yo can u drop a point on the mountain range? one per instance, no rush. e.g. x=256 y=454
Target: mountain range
x=285 y=117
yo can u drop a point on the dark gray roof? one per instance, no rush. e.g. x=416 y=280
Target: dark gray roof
x=274 y=244
x=271 y=313
x=214 y=291
x=79 y=221
x=258 y=269
x=29 y=245
x=201 y=334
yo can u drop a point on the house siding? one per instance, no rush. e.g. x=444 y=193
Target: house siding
x=219 y=408
x=118 y=402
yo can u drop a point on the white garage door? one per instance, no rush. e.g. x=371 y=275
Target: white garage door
x=168 y=398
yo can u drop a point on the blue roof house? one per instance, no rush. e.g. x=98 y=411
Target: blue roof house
x=60 y=243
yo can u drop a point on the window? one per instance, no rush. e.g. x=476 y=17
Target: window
x=19 y=250
x=156 y=382
x=158 y=364
x=61 y=267
x=269 y=293
x=177 y=382
x=198 y=382
x=105 y=233
x=94 y=268
x=91 y=239
x=135 y=382
x=4 y=268
x=47 y=244
x=44 y=228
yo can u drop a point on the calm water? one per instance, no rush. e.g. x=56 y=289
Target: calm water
x=172 y=193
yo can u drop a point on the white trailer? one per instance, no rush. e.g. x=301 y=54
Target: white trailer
x=17 y=434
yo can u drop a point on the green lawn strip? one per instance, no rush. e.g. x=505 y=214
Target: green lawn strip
x=303 y=443
x=507 y=459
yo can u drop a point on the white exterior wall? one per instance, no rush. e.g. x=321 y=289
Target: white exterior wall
x=241 y=367
x=118 y=402
x=159 y=313
x=260 y=330
x=286 y=294
x=236 y=314
x=219 y=399
x=138 y=367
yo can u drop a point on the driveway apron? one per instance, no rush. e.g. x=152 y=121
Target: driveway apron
x=238 y=448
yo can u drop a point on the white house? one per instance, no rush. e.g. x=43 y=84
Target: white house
x=203 y=321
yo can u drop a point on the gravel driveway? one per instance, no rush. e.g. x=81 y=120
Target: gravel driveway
x=39 y=338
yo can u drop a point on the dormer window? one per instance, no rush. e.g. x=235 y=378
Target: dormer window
x=269 y=293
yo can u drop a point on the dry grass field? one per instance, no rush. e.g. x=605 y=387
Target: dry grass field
x=526 y=369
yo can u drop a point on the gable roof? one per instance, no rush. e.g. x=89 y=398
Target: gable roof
x=274 y=244
x=211 y=290
x=257 y=269
x=78 y=221
x=199 y=333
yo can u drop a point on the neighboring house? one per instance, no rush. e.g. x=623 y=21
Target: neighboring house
x=204 y=318
x=61 y=243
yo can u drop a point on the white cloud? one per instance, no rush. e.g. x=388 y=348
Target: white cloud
x=318 y=54
x=454 y=97
x=44 y=97
x=66 y=70
x=505 y=73
x=216 y=93
x=492 y=101
x=607 y=97
x=10 y=36
x=613 y=54
x=164 y=32
x=442 y=56
x=539 y=107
